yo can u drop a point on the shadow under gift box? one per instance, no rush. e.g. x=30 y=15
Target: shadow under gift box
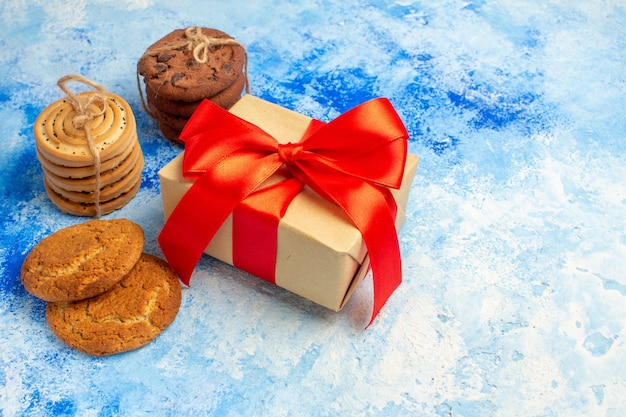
x=320 y=254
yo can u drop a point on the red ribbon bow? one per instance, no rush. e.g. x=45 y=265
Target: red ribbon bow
x=352 y=161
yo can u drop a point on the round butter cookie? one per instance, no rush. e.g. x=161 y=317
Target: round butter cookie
x=89 y=170
x=90 y=209
x=63 y=144
x=85 y=184
x=112 y=189
x=83 y=260
x=128 y=316
x=171 y=68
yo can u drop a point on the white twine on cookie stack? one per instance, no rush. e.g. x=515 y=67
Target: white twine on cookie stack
x=82 y=119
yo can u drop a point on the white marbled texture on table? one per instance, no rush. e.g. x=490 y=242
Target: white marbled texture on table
x=514 y=250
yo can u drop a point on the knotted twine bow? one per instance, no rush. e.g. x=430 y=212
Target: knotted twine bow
x=84 y=114
x=199 y=44
x=351 y=161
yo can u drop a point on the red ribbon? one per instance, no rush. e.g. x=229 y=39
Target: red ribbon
x=352 y=161
x=255 y=228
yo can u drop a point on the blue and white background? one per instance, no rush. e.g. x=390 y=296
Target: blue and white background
x=514 y=251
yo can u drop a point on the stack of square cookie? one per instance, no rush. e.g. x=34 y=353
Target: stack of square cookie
x=177 y=79
x=74 y=179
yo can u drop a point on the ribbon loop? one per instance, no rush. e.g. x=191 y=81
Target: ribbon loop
x=352 y=162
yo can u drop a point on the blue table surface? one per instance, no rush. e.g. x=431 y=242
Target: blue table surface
x=514 y=251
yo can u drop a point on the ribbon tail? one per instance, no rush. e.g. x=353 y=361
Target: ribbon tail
x=372 y=209
x=205 y=206
x=190 y=228
x=385 y=258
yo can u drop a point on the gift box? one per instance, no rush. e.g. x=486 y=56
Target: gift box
x=319 y=252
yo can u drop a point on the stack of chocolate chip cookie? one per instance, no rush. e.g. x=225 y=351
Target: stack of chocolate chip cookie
x=89 y=151
x=187 y=66
x=104 y=295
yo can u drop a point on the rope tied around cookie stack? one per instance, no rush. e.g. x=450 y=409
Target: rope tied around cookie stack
x=84 y=115
x=199 y=45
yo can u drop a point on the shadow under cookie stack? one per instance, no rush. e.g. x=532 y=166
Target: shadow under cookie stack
x=187 y=66
x=89 y=151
